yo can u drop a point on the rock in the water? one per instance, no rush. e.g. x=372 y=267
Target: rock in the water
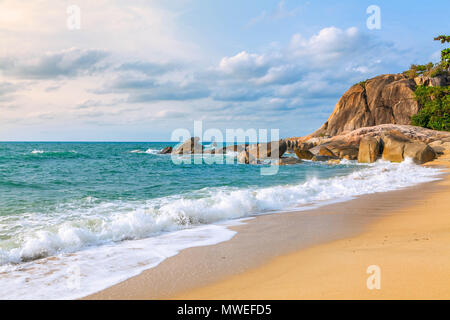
x=394 y=145
x=369 y=150
x=270 y=150
x=420 y=152
x=397 y=147
x=190 y=146
x=233 y=148
x=166 y=150
x=243 y=157
x=338 y=149
x=303 y=154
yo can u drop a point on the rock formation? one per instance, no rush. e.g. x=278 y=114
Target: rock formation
x=190 y=146
x=303 y=154
x=397 y=147
x=255 y=153
x=386 y=99
x=369 y=150
x=166 y=150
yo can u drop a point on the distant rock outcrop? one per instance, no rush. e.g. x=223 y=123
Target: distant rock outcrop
x=190 y=146
x=166 y=150
x=254 y=153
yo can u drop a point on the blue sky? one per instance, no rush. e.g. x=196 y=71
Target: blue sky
x=137 y=70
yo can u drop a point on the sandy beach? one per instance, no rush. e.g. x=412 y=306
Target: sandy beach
x=318 y=254
x=410 y=246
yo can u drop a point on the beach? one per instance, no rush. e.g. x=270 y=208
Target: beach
x=318 y=254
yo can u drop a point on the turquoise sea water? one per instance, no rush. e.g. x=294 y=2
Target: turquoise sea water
x=59 y=199
x=42 y=177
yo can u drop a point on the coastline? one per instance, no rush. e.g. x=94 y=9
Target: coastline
x=409 y=245
x=305 y=254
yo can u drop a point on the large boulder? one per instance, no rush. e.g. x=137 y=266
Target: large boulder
x=397 y=147
x=420 y=152
x=190 y=146
x=270 y=150
x=341 y=149
x=232 y=148
x=438 y=81
x=384 y=99
x=303 y=154
x=394 y=146
x=369 y=150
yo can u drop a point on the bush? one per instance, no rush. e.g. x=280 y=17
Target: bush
x=435 y=112
x=420 y=69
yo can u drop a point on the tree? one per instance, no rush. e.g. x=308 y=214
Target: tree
x=445 y=54
x=442 y=38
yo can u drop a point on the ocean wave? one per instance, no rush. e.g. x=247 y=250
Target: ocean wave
x=112 y=222
x=148 y=151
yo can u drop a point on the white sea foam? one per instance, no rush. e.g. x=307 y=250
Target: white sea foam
x=102 y=235
x=71 y=276
x=37 y=151
x=148 y=151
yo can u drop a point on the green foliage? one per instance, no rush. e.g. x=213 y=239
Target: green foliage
x=442 y=38
x=363 y=83
x=430 y=69
x=419 y=69
x=435 y=112
x=445 y=58
x=445 y=54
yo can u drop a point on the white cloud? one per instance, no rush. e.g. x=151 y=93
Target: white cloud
x=245 y=64
x=65 y=63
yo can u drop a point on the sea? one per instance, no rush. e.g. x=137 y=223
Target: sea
x=76 y=218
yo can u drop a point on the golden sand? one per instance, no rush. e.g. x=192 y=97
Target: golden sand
x=411 y=248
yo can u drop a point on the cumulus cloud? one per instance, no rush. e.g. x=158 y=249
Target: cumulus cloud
x=305 y=74
x=302 y=78
x=148 y=68
x=149 y=89
x=306 y=69
x=245 y=64
x=66 y=63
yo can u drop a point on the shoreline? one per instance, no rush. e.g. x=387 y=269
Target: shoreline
x=216 y=271
x=409 y=246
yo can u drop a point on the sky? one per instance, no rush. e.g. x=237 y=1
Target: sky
x=138 y=70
